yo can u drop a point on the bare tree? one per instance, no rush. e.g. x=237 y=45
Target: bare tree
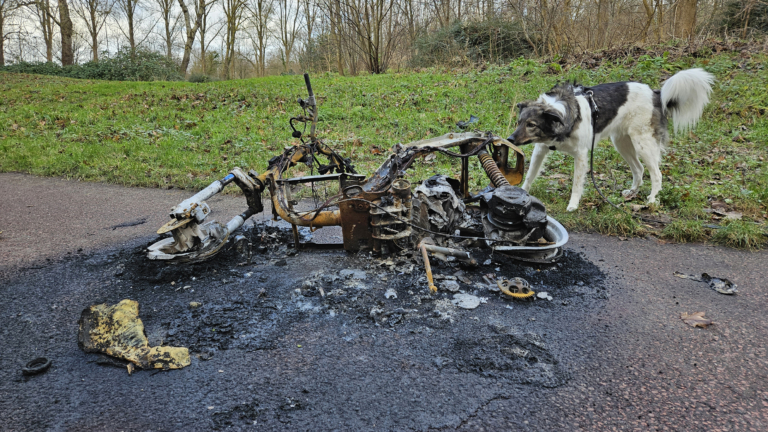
x=67 y=30
x=373 y=31
x=685 y=19
x=44 y=15
x=170 y=24
x=7 y=10
x=233 y=13
x=309 y=8
x=204 y=31
x=288 y=29
x=95 y=14
x=128 y=9
x=261 y=14
x=191 y=28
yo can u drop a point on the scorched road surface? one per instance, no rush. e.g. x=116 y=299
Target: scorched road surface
x=317 y=341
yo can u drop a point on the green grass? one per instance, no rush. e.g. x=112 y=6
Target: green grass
x=177 y=134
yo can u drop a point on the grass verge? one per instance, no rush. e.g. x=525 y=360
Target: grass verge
x=184 y=135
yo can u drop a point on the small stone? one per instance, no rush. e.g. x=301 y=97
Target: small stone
x=450 y=285
x=544 y=295
x=391 y=293
x=281 y=262
x=466 y=301
x=173 y=283
x=187 y=287
x=195 y=304
x=249 y=274
x=487 y=262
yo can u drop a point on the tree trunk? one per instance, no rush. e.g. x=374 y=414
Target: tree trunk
x=130 y=7
x=686 y=18
x=168 y=42
x=2 y=38
x=94 y=36
x=65 y=23
x=191 y=31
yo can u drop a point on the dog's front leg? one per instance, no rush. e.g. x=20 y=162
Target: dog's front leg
x=580 y=169
x=538 y=157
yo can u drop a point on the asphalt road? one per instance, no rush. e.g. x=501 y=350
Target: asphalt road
x=270 y=352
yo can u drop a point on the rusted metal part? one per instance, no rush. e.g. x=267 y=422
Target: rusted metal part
x=516 y=288
x=461 y=255
x=492 y=170
x=428 y=268
x=377 y=212
x=514 y=175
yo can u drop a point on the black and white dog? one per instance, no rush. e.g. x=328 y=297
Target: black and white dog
x=630 y=113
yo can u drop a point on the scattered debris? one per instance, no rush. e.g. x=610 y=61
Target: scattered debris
x=466 y=301
x=118 y=331
x=695 y=319
x=450 y=285
x=390 y=294
x=195 y=304
x=36 y=366
x=353 y=274
x=544 y=295
x=136 y=222
x=721 y=285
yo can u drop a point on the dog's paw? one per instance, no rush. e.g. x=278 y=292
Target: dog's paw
x=629 y=194
x=571 y=208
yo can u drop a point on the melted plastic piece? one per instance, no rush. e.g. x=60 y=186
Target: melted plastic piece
x=118 y=331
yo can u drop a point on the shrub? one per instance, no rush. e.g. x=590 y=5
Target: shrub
x=200 y=78
x=142 y=65
x=492 y=40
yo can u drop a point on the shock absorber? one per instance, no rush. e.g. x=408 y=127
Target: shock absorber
x=492 y=170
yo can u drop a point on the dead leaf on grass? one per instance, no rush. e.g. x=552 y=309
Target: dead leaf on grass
x=638 y=207
x=733 y=215
x=430 y=158
x=695 y=319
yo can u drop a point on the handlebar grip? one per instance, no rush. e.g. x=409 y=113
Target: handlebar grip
x=309 y=85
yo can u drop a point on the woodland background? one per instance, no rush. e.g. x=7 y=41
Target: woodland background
x=204 y=40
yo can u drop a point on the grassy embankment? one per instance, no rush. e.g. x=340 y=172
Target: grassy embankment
x=163 y=134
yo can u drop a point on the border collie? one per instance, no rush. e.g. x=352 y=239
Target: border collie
x=630 y=113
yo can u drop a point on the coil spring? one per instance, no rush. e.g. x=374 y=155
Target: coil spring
x=492 y=170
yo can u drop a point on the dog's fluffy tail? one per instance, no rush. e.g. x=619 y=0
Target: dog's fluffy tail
x=684 y=97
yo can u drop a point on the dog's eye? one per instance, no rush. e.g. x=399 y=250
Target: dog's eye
x=531 y=125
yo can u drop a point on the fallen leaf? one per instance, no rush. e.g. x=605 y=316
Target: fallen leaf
x=733 y=215
x=695 y=319
x=430 y=158
x=638 y=207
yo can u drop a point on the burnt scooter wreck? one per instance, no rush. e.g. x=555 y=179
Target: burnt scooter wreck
x=382 y=212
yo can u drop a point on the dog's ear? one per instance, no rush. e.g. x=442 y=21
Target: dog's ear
x=522 y=105
x=554 y=115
